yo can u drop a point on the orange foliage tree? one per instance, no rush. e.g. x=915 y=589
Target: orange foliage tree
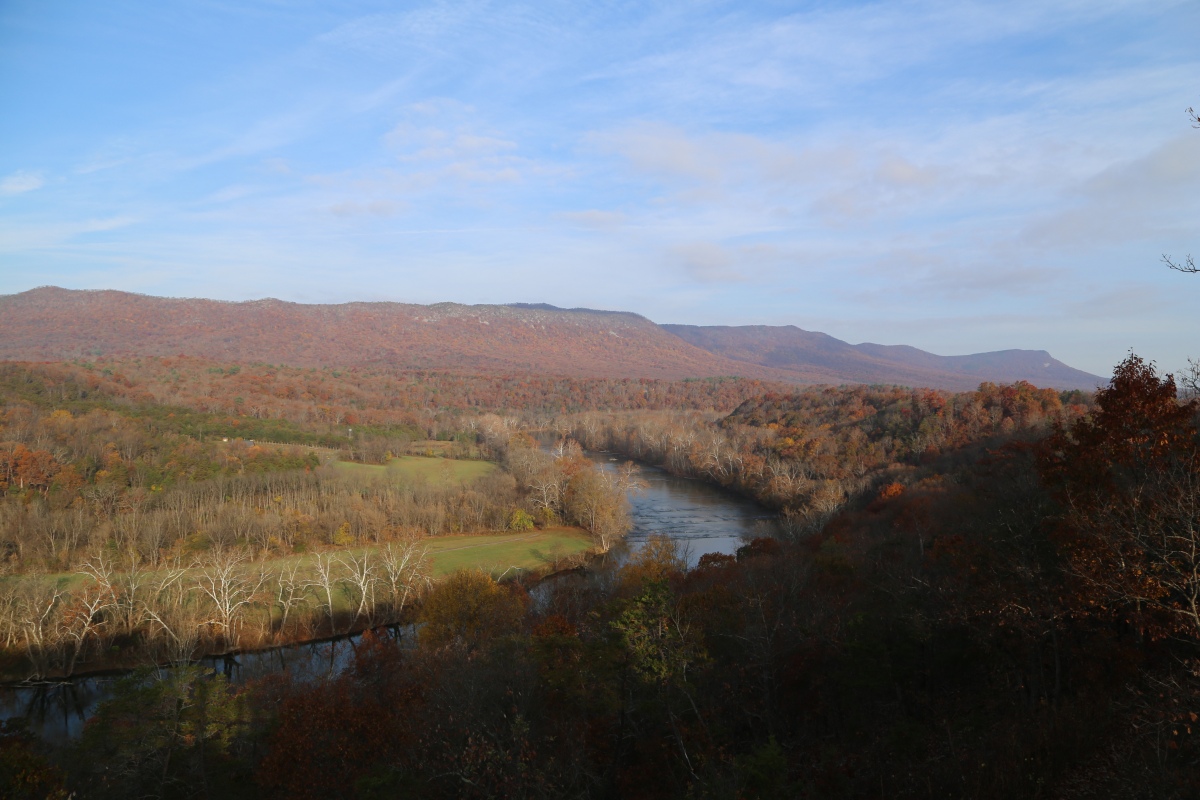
x=1129 y=478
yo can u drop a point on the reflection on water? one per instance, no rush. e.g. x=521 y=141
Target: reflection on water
x=56 y=711
x=703 y=518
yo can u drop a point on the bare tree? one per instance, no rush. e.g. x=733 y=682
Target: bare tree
x=406 y=571
x=9 y=628
x=128 y=601
x=1188 y=265
x=362 y=581
x=37 y=613
x=596 y=501
x=326 y=582
x=546 y=487
x=84 y=617
x=1189 y=379
x=1151 y=541
x=230 y=589
x=290 y=592
x=168 y=609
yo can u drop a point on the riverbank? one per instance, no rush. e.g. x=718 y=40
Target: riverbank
x=313 y=595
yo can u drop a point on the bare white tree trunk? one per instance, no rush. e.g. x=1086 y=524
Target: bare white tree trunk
x=406 y=572
x=363 y=580
x=290 y=593
x=323 y=566
x=230 y=589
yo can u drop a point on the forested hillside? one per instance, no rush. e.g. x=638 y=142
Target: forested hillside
x=520 y=338
x=54 y=324
x=978 y=594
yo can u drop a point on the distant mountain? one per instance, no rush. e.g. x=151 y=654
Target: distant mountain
x=790 y=348
x=50 y=323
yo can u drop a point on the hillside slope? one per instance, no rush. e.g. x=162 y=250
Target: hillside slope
x=52 y=324
x=790 y=348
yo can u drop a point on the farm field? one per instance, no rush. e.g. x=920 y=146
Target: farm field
x=436 y=470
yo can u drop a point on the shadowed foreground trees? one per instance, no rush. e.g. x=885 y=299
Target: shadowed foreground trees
x=1128 y=477
x=468 y=609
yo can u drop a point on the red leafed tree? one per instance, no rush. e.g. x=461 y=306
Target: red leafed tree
x=25 y=468
x=1129 y=479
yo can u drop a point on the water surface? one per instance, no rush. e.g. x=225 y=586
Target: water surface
x=702 y=518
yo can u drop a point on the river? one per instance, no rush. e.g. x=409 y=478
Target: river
x=700 y=517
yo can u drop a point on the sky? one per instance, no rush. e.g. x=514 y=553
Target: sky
x=961 y=177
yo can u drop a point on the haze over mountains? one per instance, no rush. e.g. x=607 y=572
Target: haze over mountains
x=50 y=323
x=790 y=348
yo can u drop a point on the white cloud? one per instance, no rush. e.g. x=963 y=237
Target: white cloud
x=706 y=261
x=18 y=236
x=596 y=219
x=378 y=208
x=665 y=152
x=1149 y=197
x=21 y=181
x=384 y=34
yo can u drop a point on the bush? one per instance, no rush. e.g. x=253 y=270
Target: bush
x=468 y=609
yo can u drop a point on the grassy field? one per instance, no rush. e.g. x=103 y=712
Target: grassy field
x=430 y=447
x=497 y=553
x=501 y=554
x=434 y=470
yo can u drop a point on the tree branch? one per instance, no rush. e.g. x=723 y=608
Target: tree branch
x=1188 y=265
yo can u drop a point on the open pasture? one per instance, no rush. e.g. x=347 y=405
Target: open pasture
x=436 y=470
x=500 y=553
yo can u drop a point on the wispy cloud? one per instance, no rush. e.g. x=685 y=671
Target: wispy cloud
x=596 y=219
x=21 y=181
x=1151 y=197
x=17 y=237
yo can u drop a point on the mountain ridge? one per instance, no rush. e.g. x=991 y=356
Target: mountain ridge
x=52 y=323
x=790 y=347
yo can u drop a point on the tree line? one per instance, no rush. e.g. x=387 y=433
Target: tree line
x=809 y=452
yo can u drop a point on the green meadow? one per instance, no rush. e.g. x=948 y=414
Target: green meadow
x=408 y=468
x=500 y=553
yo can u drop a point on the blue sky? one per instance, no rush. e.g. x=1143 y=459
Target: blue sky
x=956 y=176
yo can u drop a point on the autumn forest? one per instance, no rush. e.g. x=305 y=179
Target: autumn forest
x=990 y=593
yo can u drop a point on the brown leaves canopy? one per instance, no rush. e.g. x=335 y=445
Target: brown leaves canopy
x=468 y=609
x=1129 y=479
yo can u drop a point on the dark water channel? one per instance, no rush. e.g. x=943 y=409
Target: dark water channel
x=57 y=710
x=701 y=518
